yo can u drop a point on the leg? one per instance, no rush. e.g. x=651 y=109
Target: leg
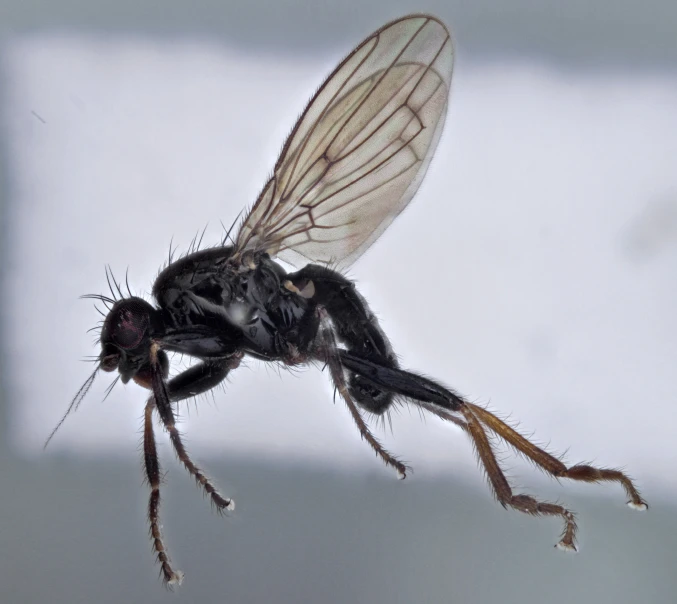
x=554 y=466
x=450 y=406
x=152 y=465
x=330 y=356
x=498 y=481
x=354 y=326
x=193 y=381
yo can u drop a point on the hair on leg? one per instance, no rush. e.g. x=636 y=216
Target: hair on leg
x=170 y=576
x=329 y=354
x=166 y=413
x=554 y=466
x=475 y=420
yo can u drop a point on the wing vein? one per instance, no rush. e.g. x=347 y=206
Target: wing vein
x=359 y=151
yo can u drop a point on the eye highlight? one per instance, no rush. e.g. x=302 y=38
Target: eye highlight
x=129 y=329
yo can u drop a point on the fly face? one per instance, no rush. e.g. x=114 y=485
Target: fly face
x=126 y=341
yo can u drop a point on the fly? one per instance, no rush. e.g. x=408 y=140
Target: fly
x=351 y=164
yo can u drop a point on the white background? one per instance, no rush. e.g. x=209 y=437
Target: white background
x=535 y=269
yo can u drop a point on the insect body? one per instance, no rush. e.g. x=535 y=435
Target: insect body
x=352 y=163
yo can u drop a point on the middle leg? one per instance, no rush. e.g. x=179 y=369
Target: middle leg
x=354 y=326
x=329 y=352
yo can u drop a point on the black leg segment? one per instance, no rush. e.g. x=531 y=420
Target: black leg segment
x=330 y=355
x=355 y=327
x=195 y=380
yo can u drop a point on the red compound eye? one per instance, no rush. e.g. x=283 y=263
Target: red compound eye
x=127 y=324
x=129 y=329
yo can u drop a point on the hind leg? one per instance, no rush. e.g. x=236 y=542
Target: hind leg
x=476 y=421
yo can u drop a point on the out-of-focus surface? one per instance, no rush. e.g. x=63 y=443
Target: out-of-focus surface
x=74 y=531
x=534 y=269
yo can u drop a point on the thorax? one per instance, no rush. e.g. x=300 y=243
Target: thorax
x=211 y=307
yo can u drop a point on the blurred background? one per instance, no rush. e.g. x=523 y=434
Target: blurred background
x=542 y=248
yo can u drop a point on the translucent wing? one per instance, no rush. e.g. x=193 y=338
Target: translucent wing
x=359 y=151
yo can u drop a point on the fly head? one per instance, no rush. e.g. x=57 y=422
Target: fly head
x=126 y=340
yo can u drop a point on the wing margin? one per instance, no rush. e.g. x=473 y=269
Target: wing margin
x=360 y=149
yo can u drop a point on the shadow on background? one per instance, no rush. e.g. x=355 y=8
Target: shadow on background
x=74 y=531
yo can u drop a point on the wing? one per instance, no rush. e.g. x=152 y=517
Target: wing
x=359 y=151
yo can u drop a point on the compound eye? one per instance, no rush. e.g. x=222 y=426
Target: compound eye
x=130 y=329
x=110 y=362
x=127 y=324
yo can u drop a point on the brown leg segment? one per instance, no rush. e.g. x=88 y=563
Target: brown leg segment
x=554 y=466
x=477 y=418
x=503 y=492
x=476 y=421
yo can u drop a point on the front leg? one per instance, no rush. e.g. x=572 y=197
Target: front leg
x=201 y=378
x=170 y=576
x=195 y=380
